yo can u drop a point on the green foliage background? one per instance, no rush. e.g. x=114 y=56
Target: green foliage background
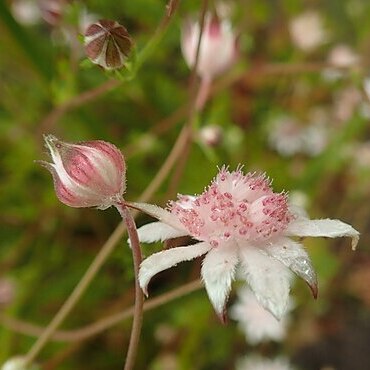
x=45 y=247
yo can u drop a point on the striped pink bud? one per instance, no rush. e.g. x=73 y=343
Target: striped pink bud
x=107 y=43
x=86 y=174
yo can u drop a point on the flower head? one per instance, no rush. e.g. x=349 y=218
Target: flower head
x=239 y=221
x=86 y=174
x=107 y=43
x=217 y=49
x=257 y=324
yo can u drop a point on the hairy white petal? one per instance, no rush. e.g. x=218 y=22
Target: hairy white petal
x=268 y=278
x=294 y=256
x=159 y=213
x=218 y=272
x=155 y=231
x=163 y=260
x=326 y=228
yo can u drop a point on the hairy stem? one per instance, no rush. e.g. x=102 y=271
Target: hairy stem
x=139 y=297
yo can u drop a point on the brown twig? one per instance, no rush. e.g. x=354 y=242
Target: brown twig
x=90 y=331
x=139 y=297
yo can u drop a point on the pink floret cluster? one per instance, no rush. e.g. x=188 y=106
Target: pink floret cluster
x=234 y=206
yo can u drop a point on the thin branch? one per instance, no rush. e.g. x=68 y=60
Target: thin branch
x=53 y=117
x=76 y=294
x=90 y=331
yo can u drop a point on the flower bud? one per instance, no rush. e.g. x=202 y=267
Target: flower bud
x=107 y=43
x=217 y=48
x=86 y=174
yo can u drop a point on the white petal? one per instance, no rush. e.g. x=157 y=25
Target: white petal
x=218 y=272
x=326 y=228
x=163 y=260
x=294 y=256
x=159 y=213
x=268 y=278
x=155 y=231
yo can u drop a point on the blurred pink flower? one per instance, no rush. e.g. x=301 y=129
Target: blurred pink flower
x=86 y=174
x=218 y=46
x=52 y=10
x=238 y=221
x=257 y=324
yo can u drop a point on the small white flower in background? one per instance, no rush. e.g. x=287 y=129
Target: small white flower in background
x=285 y=136
x=211 y=135
x=26 y=12
x=288 y=137
x=238 y=221
x=255 y=362
x=218 y=46
x=255 y=322
x=86 y=174
x=17 y=363
x=307 y=31
x=341 y=56
x=315 y=139
x=360 y=154
x=346 y=102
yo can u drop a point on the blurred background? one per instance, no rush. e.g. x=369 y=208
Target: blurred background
x=295 y=104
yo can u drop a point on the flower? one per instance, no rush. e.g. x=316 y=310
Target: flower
x=257 y=324
x=307 y=31
x=211 y=135
x=107 y=43
x=86 y=174
x=238 y=221
x=218 y=45
x=26 y=12
x=288 y=137
x=255 y=362
x=52 y=11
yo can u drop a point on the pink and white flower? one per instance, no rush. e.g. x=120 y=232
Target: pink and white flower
x=217 y=49
x=239 y=222
x=86 y=174
x=255 y=322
